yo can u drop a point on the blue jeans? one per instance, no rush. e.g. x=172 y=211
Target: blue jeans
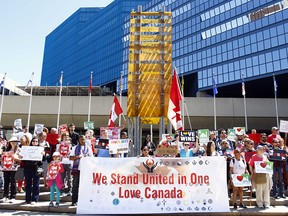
x=52 y=189
x=32 y=185
x=278 y=170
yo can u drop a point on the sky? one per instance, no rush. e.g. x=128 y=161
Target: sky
x=24 y=24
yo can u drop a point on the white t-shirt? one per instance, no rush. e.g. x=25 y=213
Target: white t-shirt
x=239 y=167
x=84 y=152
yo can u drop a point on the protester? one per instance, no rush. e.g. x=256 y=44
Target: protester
x=263 y=142
x=144 y=152
x=73 y=135
x=274 y=134
x=32 y=172
x=2 y=148
x=238 y=166
x=278 y=170
x=19 y=176
x=48 y=153
x=151 y=146
x=239 y=141
x=260 y=180
x=64 y=148
x=222 y=135
x=253 y=131
x=9 y=174
x=211 y=149
x=54 y=179
x=79 y=151
x=186 y=152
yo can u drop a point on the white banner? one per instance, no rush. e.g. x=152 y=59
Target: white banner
x=152 y=185
x=118 y=145
x=33 y=153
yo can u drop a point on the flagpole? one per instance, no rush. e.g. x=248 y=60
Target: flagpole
x=244 y=97
x=215 y=125
x=183 y=103
x=276 y=103
x=120 y=92
x=2 y=98
x=30 y=102
x=59 y=103
x=90 y=93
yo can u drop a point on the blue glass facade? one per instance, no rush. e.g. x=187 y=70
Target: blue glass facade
x=227 y=38
x=89 y=40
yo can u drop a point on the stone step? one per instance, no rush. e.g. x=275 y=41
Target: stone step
x=273 y=202
x=44 y=196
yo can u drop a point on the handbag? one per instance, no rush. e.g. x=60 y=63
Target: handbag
x=259 y=178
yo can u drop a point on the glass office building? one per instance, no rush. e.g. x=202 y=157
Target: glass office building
x=228 y=38
x=89 y=40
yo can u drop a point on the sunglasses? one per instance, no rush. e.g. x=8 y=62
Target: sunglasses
x=186 y=145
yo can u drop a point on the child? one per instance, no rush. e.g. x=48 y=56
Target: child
x=54 y=179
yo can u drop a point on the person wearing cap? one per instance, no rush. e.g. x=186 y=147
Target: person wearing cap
x=55 y=182
x=261 y=181
x=263 y=142
x=238 y=166
x=9 y=170
x=274 y=135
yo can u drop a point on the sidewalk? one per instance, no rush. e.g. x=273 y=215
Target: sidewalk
x=41 y=208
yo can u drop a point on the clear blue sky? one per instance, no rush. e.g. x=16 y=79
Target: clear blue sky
x=24 y=25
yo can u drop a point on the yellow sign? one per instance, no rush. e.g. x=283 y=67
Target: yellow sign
x=150 y=65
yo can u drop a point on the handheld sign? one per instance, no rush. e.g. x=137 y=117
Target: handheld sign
x=53 y=170
x=109 y=133
x=241 y=180
x=203 y=136
x=63 y=128
x=231 y=134
x=171 y=150
x=283 y=126
x=278 y=155
x=64 y=149
x=264 y=167
x=17 y=126
x=8 y=161
x=118 y=145
x=239 y=130
x=187 y=136
x=38 y=129
x=32 y=153
x=89 y=125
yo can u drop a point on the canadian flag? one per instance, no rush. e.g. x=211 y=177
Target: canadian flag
x=174 y=110
x=116 y=110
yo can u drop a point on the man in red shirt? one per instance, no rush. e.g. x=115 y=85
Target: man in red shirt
x=275 y=134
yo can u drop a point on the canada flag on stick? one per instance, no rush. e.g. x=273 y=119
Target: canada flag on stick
x=116 y=110
x=174 y=110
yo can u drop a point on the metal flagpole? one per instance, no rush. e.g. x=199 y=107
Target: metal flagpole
x=215 y=125
x=276 y=103
x=244 y=96
x=120 y=92
x=90 y=93
x=59 y=103
x=183 y=103
x=2 y=97
x=30 y=102
x=215 y=91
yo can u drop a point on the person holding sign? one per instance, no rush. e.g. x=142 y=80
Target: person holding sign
x=186 y=152
x=54 y=179
x=9 y=167
x=261 y=180
x=238 y=166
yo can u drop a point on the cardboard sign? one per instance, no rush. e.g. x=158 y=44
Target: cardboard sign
x=64 y=149
x=118 y=145
x=89 y=125
x=17 y=126
x=53 y=170
x=38 y=129
x=283 y=126
x=203 y=136
x=7 y=161
x=239 y=130
x=171 y=150
x=32 y=153
x=241 y=180
x=278 y=155
x=231 y=134
x=109 y=133
x=264 y=167
x=187 y=136
x=63 y=128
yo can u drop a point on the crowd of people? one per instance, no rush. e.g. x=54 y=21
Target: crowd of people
x=62 y=153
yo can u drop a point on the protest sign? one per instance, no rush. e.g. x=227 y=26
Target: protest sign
x=7 y=161
x=63 y=128
x=264 y=167
x=102 y=152
x=283 y=126
x=239 y=130
x=278 y=155
x=89 y=125
x=241 y=180
x=33 y=153
x=53 y=170
x=168 y=137
x=118 y=145
x=152 y=185
x=170 y=150
x=231 y=134
x=17 y=126
x=187 y=136
x=109 y=133
x=38 y=129
x=64 y=149
x=203 y=136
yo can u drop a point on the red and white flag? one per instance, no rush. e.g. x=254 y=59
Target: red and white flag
x=174 y=110
x=90 y=88
x=116 y=110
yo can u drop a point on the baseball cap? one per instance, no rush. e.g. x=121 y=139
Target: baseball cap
x=274 y=128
